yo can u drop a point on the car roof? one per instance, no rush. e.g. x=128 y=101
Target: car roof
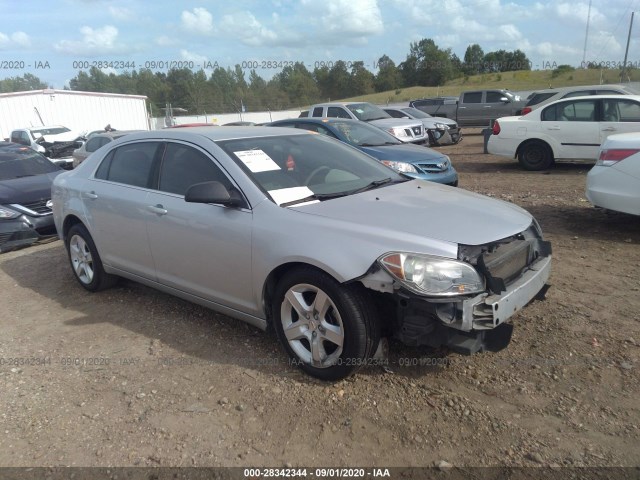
x=323 y=120
x=595 y=97
x=14 y=147
x=583 y=87
x=216 y=134
x=116 y=133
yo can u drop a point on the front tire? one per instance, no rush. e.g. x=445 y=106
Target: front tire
x=85 y=260
x=329 y=330
x=535 y=155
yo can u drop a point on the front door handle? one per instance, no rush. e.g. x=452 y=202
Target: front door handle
x=609 y=129
x=157 y=209
x=92 y=195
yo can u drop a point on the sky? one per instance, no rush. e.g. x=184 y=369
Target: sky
x=55 y=39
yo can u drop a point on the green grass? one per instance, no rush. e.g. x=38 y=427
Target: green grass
x=520 y=80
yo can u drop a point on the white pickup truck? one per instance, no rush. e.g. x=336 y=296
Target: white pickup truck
x=405 y=130
x=55 y=142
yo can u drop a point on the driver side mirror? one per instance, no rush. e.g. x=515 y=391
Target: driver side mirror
x=212 y=192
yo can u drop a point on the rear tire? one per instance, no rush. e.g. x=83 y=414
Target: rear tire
x=85 y=260
x=327 y=329
x=535 y=155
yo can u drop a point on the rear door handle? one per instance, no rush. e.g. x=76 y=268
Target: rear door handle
x=157 y=209
x=609 y=129
x=92 y=195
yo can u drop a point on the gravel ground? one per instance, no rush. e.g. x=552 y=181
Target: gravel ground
x=134 y=377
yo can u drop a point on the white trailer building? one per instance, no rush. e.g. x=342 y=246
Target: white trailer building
x=79 y=111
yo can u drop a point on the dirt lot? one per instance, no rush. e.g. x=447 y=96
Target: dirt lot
x=132 y=376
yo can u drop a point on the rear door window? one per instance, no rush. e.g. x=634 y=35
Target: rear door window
x=129 y=164
x=472 y=97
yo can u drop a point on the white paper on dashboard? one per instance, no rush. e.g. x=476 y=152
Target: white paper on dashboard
x=257 y=161
x=286 y=195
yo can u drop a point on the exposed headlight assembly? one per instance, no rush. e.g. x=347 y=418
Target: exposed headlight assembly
x=442 y=126
x=8 y=214
x=432 y=276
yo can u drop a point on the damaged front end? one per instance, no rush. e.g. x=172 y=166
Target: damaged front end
x=450 y=307
x=441 y=135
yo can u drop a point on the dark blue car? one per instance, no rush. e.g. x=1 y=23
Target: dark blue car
x=26 y=177
x=413 y=160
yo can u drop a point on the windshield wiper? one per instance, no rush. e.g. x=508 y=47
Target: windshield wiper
x=372 y=144
x=22 y=176
x=369 y=186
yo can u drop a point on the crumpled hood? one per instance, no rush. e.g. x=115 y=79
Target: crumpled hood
x=27 y=189
x=61 y=137
x=427 y=209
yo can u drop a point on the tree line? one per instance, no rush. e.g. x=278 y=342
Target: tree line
x=232 y=90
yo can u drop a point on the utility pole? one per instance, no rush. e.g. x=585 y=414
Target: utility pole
x=586 y=37
x=626 y=52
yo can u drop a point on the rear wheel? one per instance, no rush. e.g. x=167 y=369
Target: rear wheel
x=535 y=155
x=329 y=330
x=85 y=260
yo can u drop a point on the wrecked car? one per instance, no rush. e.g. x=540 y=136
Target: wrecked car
x=291 y=230
x=55 y=142
x=441 y=130
x=25 y=196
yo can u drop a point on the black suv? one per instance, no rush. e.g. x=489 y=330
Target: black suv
x=25 y=196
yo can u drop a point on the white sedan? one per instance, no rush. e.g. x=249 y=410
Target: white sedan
x=614 y=182
x=569 y=129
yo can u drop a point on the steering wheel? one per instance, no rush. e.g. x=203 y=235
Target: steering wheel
x=315 y=172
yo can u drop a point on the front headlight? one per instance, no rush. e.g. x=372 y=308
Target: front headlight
x=399 y=133
x=427 y=275
x=442 y=126
x=8 y=214
x=400 y=166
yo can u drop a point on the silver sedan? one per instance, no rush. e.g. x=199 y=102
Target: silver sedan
x=288 y=229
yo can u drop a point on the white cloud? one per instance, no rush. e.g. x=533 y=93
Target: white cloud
x=94 y=42
x=192 y=57
x=120 y=13
x=579 y=12
x=199 y=21
x=348 y=18
x=16 y=39
x=511 y=32
x=165 y=41
x=245 y=26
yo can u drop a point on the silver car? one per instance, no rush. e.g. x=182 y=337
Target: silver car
x=295 y=231
x=95 y=140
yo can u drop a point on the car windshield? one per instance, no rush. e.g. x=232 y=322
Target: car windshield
x=364 y=135
x=367 y=112
x=296 y=168
x=17 y=165
x=50 y=131
x=416 y=113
